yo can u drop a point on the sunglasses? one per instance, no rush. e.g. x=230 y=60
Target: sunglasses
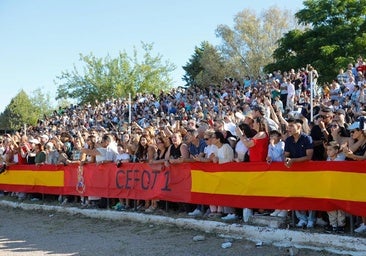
x=324 y=117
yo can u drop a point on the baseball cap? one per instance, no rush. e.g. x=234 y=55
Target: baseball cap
x=359 y=124
x=341 y=111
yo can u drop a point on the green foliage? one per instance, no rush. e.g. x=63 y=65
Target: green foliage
x=41 y=101
x=205 y=67
x=104 y=78
x=193 y=66
x=335 y=37
x=20 y=111
x=249 y=45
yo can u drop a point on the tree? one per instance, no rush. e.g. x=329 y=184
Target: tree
x=20 y=111
x=335 y=37
x=205 y=67
x=41 y=101
x=193 y=66
x=104 y=78
x=249 y=45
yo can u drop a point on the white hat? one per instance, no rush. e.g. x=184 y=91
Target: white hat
x=239 y=115
x=34 y=141
x=44 y=136
x=359 y=124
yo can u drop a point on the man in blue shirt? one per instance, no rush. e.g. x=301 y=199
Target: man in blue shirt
x=299 y=148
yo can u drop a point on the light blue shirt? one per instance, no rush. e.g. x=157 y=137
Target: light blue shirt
x=277 y=152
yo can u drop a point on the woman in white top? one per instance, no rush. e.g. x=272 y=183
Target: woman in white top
x=225 y=154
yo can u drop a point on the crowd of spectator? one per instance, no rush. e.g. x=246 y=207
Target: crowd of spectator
x=270 y=118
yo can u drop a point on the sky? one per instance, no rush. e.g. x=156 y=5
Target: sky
x=41 y=39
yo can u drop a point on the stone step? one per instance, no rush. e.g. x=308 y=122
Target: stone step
x=269 y=221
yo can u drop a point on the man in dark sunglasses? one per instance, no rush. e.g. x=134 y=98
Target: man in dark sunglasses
x=321 y=133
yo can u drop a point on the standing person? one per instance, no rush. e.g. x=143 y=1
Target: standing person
x=91 y=144
x=342 y=78
x=299 y=148
x=356 y=151
x=196 y=147
x=210 y=152
x=337 y=218
x=177 y=151
x=9 y=153
x=356 y=144
x=145 y=152
x=276 y=147
x=241 y=150
x=145 y=149
x=76 y=152
x=159 y=158
x=40 y=157
x=24 y=148
x=104 y=153
x=313 y=79
x=321 y=133
x=260 y=111
x=291 y=93
x=258 y=149
x=276 y=153
x=51 y=153
x=122 y=157
x=283 y=94
x=258 y=144
x=225 y=154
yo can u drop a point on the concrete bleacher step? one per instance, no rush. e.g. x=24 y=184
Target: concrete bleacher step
x=269 y=221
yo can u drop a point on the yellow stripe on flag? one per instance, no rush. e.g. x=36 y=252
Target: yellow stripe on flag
x=320 y=184
x=33 y=178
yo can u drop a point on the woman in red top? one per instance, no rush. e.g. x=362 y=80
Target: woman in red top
x=258 y=145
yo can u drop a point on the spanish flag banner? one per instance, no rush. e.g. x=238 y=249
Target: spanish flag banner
x=308 y=186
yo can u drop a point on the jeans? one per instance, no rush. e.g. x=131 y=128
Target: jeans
x=301 y=215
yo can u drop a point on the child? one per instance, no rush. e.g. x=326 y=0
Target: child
x=276 y=149
x=337 y=218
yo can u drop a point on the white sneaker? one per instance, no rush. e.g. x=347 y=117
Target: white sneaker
x=301 y=224
x=247 y=213
x=195 y=213
x=230 y=216
x=150 y=209
x=275 y=213
x=321 y=222
x=361 y=228
x=282 y=213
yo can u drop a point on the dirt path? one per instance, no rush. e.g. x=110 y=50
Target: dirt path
x=42 y=233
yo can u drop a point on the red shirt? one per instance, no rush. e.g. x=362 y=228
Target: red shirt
x=258 y=153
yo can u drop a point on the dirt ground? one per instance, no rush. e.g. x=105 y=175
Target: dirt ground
x=36 y=233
